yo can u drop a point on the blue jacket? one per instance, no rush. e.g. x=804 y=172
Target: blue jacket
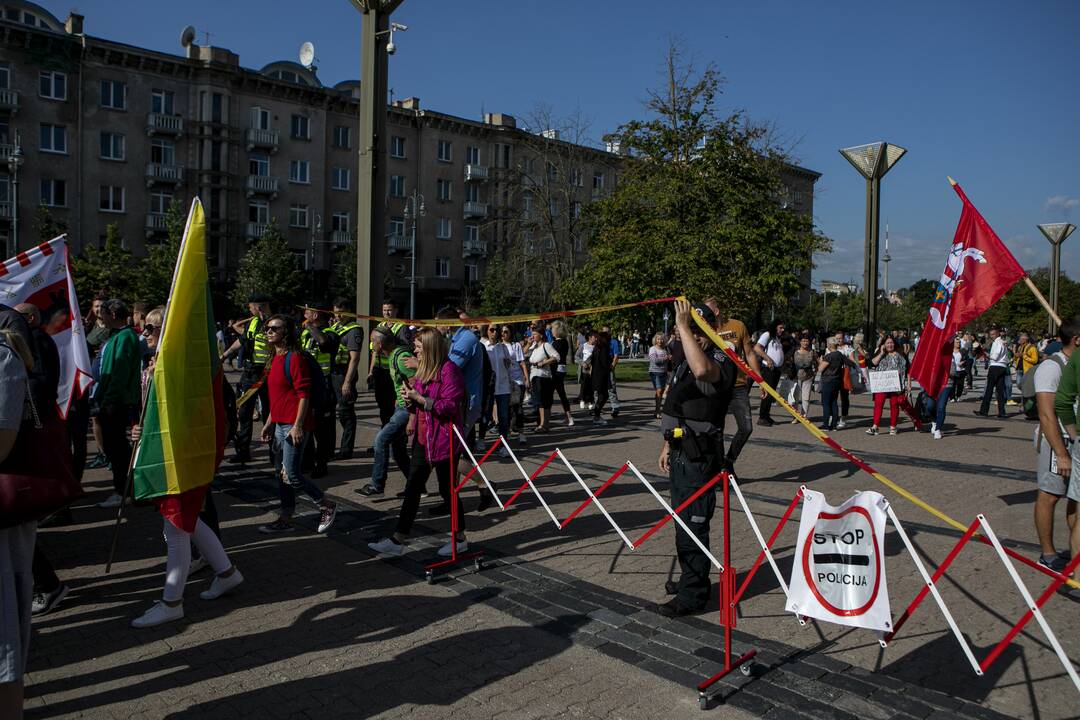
x=465 y=351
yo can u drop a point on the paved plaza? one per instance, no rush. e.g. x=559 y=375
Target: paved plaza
x=558 y=624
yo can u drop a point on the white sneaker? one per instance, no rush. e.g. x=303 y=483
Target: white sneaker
x=158 y=614
x=582 y=404
x=841 y=425
x=446 y=550
x=503 y=452
x=569 y=422
x=933 y=427
x=222 y=585
x=197 y=564
x=387 y=546
x=937 y=434
x=111 y=501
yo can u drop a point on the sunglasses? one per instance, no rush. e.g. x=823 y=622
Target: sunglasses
x=275 y=328
x=149 y=329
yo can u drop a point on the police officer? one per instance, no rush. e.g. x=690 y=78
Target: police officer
x=322 y=344
x=255 y=354
x=693 y=452
x=379 y=378
x=345 y=370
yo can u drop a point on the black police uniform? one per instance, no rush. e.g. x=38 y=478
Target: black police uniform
x=256 y=354
x=696 y=409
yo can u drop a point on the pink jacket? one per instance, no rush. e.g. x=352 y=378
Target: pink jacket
x=447 y=392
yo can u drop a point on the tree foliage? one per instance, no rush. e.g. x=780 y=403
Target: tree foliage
x=344 y=282
x=154 y=280
x=696 y=210
x=111 y=268
x=46 y=226
x=270 y=268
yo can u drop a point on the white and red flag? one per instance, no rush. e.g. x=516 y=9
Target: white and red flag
x=41 y=276
x=978 y=271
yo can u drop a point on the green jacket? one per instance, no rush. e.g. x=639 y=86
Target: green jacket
x=1068 y=391
x=121 y=367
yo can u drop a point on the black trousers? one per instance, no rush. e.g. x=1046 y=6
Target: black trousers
x=114 y=420
x=419 y=472
x=687 y=476
x=559 y=382
x=245 y=413
x=78 y=423
x=600 y=387
x=744 y=425
x=346 y=414
x=772 y=377
x=995 y=382
x=384 y=394
x=845 y=400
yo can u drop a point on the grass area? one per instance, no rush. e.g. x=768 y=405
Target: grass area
x=624 y=372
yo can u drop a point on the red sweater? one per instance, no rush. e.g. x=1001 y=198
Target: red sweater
x=285 y=398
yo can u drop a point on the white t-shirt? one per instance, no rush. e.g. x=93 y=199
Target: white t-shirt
x=999 y=353
x=773 y=348
x=540 y=353
x=1047 y=379
x=517 y=357
x=500 y=365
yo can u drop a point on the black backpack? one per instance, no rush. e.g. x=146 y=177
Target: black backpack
x=321 y=397
x=922 y=410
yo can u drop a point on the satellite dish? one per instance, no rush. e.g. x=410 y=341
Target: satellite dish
x=187 y=36
x=307 y=55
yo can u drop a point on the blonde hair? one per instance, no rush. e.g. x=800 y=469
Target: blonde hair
x=18 y=345
x=558 y=329
x=155 y=317
x=658 y=339
x=434 y=349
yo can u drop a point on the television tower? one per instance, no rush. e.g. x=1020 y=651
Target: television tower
x=885 y=259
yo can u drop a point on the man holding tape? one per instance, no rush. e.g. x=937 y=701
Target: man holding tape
x=693 y=452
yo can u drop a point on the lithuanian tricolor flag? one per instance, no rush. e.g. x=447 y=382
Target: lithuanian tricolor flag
x=183 y=427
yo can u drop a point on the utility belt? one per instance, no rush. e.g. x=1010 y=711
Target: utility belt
x=695 y=446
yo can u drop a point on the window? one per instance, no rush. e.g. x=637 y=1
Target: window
x=397 y=227
x=472 y=233
x=397 y=146
x=260 y=118
x=529 y=166
x=472 y=273
x=575 y=209
x=472 y=193
x=299 y=171
x=215 y=155
x=259 y=212
x=339 y=178
x=397 y=186
x=111 y=198
x=552 y=172
x=5 y=76
x=301 y=127
x=553 y=207
x=443 y=187
x=442 y=267
x=298 y=216
x=112 y=146
x=53 y=138
x=598 y=181
x=163 y=152
x=472 y=155
x=161 y=101
x=52 y=85
x=259 y=164
x=113 y=94
x=217 y=103
x=5 y=131
x=5 y=188
x=343 y=137
x=577 y=178
x=446 y=151
x=160 y=200
x=502 y=155
x=526 y=205
x=444 y=229
x=54 y=193
x=339 y=222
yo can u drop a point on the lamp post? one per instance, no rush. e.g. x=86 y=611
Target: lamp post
x=414 y=209
x=15 y=160
x=872 y=161
x=1056 y=234
x=316 y=234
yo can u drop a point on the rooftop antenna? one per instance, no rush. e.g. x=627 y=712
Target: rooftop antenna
x=206 y=37
x=307 y=56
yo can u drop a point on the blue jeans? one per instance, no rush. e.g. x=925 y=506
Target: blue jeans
x=392 y=435
x=937 y=407
x=502 y=406
x=830 y=409
x=288 y=459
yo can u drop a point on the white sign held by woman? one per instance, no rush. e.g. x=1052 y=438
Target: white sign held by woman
x=884 y=381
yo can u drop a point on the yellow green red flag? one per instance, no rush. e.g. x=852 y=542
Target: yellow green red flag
x=183 y=427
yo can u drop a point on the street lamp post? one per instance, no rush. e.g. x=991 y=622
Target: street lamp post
x=414 y=209
x=1056 y=234
x=14 y=161
x=316 y=235
x=872 y=161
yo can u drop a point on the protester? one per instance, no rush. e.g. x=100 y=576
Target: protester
x=116 y=393
x=770 y=350
x=733 y=331
x=378 y=373
x=467 y=353
x=614 y=352
x=936 y=407
x=519 y=376
x=1025 y=358
x=345 y=372
x=321 y=344
x=889 y=357
x=995 y=374
x=846 y=385
x=558 y=374
x=437 y=397
x=831 y=366
x=542 y=358
x=289 y=424
x=255 y=354
x=805 y=361
x=659 y=367
x=584 y=359
x=600 y=366
x=502 y=386
x=392 y=437
x=180 y=533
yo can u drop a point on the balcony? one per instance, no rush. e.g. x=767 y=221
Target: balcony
x=5 y=210
x=475 y=247
x=6 y=150
x=162 y=173
x=262 y=185
x=255 y=230
x=258 y=138
x=398 y=243
x=155 y=223
x=162 y=124
x=341 y=237
x=476 y=172
x=9 y=100
x=475 y=209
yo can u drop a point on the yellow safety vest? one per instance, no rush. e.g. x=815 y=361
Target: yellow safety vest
x=325 y=359
x=342 y=351
x=258 y=347
x=382 y=361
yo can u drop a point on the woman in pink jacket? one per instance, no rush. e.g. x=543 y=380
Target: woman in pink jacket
x=436 y=396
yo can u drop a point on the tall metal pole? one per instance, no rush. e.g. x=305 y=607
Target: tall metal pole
x=869 y=262
x=871 y=305
x=1056 y=233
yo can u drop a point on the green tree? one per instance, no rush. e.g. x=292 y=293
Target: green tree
x=154 y=281
x=696 y=210
x=270 y=268
x=500 y=293
x=46 y=226
x=344 y=282
x=111 y=268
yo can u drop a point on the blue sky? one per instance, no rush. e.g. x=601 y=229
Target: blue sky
x=983 y=91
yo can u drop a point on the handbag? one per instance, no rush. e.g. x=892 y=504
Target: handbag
x=37 y=477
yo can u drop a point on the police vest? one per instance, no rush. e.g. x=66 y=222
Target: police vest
x=258 y=350
x=342 y=359
x=686 y=400
x=325 y=359
x=380 y=360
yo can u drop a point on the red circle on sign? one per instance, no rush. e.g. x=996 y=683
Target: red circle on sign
x=807 y=543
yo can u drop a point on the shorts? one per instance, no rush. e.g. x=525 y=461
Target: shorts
x=1052 y=483
x=16 y=597
x=1073 y=492
x=659 y=380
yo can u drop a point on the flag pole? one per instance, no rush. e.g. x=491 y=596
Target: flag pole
x=1031 y=286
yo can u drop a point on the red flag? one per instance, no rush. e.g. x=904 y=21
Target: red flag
x=978 y=271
